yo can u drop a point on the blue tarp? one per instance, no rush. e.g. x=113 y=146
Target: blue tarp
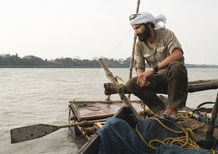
x=118 y=137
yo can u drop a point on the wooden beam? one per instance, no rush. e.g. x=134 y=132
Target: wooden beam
x=202 y=81
x=200 y=86
x=193 y=86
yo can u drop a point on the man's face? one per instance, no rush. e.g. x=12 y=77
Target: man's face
x=142 y=31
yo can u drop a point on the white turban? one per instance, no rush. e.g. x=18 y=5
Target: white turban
x=145 y=17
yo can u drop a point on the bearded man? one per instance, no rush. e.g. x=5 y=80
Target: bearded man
x=167 y=73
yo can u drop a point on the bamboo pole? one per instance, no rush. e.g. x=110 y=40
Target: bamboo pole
x=133 y=48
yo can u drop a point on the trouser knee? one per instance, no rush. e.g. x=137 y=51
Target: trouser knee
x=131 y=85
x=177 y=69
x=177 y=84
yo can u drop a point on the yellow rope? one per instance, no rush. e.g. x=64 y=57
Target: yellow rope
x=185 y=141
x=142 y=138
x=167 y=128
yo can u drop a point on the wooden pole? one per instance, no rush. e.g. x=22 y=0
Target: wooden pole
x=82 y=123
x=133 y=48
x=113 y=80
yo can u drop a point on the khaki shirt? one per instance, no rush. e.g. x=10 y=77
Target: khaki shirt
x=166 y=42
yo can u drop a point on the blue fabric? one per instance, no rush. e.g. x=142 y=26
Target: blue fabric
x=118 y=137
x=216 y=122
x=174 y=149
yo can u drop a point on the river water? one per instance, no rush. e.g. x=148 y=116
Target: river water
x=33 y=96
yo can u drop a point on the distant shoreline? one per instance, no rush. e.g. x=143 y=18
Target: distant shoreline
x=188 y=66
x=14 y=61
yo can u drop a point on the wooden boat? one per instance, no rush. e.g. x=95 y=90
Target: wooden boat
x=99 y=110
x=96 y=111
x=125 y=113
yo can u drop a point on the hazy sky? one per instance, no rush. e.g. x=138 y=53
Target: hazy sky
x=95 y=28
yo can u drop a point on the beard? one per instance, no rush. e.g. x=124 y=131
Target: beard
x=144 y=35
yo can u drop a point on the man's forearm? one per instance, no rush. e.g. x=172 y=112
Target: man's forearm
x=176 y=55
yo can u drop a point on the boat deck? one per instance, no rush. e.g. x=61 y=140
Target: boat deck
x=89 y=110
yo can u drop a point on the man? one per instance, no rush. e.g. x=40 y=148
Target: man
x=167 y=73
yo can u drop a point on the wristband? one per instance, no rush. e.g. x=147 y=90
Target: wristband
x=155 y=68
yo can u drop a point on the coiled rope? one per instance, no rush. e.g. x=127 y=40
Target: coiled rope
x=185 y=141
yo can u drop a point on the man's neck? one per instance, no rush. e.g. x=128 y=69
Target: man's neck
x=152 y=38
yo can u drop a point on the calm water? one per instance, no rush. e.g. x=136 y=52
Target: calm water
x=33 y=96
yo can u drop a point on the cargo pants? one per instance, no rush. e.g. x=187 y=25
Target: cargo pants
x=173 y=81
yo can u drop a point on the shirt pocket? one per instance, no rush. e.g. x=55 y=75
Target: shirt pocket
x=149 y=58
x=161 y=53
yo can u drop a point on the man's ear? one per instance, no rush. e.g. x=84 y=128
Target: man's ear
x=152 y=25
x=149 y=25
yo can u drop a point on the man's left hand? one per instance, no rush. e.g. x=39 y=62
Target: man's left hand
x=143 y=78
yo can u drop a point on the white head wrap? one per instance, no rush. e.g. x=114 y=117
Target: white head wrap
x=145 y=17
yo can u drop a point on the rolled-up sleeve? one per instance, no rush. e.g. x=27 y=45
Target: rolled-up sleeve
x=172 y=42
x=139 y=58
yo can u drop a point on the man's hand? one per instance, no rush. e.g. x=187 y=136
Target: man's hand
x=143 y=78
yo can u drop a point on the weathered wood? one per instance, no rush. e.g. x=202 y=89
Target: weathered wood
x=111 y=88
x=89 y=130
x=198 y=134
x=210 y=130
x=113 y=80
x=98 y=125
x=36 y=131
x=193 y=86
x=199 y=129
x=97 y=101
x=133 y=47
x=202 y=81
x=203 y=86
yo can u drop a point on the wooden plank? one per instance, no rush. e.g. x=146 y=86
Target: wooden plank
x=97 y=101
x=106 y=110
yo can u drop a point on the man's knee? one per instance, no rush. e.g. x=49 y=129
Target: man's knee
x=177 y=68
x=177 y=71
x=131 y=85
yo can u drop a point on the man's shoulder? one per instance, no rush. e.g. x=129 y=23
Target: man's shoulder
x=139 y=44
x=164 y=31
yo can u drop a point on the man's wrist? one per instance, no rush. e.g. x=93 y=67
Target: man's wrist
x=151 y=71
x=155 y=68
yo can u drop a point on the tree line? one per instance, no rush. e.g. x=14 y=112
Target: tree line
x=14 y=61
x=11 y=61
